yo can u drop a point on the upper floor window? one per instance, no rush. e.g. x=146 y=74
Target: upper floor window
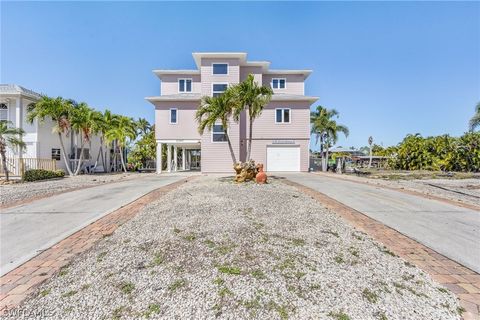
x=3 y=112
x=218 y=88
x=173 y=116
x=279 y=83
x=282 y=115
x=184 y=85
x=220 y=68
x=218 y=135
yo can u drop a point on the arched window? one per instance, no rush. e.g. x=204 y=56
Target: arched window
x=3 y=112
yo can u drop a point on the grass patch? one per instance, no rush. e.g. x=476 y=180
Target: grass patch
x=177 y=284
x=408 y=277
x=258 y=274
x=460 y=310
x=153 y=308
x=281 y=309
x=127 y=287
x=224 y=249
x=298 y=242
x=333 y=233
x=45 y=292
x=339 y=259
x=288 y=263
x=190 y=237
x=230 y=270
x=209 y=243
x=354 y=251
x=386 y=251
x=223 y=292
x=219 y=281
x=86 y=286
x=338 y=315
x=371 y=296
x=442 y=290
x=117 y=313
x=69 y=293
x=157 y=260
x=101 y=256
x=176 y=230
x=63 y=271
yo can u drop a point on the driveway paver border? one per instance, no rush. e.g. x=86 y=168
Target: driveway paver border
x=462 y=281
x=18 y=284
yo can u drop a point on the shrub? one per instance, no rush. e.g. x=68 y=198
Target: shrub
x=41 y=174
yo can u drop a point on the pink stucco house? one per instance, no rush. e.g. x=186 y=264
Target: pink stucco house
x=281 y=134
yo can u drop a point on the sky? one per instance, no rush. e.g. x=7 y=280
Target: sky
x=388 y=68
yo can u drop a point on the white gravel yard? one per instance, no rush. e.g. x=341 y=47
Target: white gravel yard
x=10 y=193
x=214 y=249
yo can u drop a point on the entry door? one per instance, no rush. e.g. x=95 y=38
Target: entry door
x=283 y=158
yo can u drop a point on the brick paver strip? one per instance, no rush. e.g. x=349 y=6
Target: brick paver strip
x=16 y=285
x=462 y=281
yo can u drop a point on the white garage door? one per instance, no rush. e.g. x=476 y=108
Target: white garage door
x=283 y=159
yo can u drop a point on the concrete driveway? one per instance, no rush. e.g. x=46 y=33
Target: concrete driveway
x=450 y=230
x=28 y=229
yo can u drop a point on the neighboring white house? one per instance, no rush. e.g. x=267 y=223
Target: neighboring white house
x=41 y=142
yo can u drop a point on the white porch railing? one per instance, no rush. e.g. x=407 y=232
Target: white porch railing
x=18 y=166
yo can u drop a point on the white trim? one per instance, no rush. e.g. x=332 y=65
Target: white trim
x=221 y=74
x=211 y=135
x=283 y=116
x=185 y=91
x=178 y=141
x=284 y=79
x=170 y=115
x=213 y=83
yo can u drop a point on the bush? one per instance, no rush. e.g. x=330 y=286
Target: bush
x=41 y=174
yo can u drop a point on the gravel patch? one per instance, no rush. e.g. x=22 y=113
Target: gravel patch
x=10 y=193
x=213 y=249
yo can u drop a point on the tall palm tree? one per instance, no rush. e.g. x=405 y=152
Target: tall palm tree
x=475 y=120
x=83 y=122
x=326 y=130
x=253 y=98
x=143 y=126
x=59 y=111
x=108 y=121
x=370 y=145
x=217 y=109
x=11 y=137
x=122 y=131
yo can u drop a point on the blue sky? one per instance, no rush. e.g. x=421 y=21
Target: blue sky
x=389 y=68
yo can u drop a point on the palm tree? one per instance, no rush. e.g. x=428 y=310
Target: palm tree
x=83 y=122
x=143 y=126
x=59 y=111
x=108 y=121
x=217 y=109
x=370 y=144
x=254 y=98
x=475 y=120
x=326 y=130
x=123 y=129
x=11 y=137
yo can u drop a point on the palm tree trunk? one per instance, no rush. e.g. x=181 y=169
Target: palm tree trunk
x=65 y=156
x=79 y=165
x=326 y=158
x=121 y=158
x=4 y=163
x=232 y=154
x=370 y=161
x=249 y=150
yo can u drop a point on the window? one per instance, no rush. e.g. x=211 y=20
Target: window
x=184 y=85
x=217 y=133
x=218 y=88
x=76 y=155
x=55 y=154
x=173 y=116
x=220 y=68
x=282 y=115
x=279 y=83
x=3 y=112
